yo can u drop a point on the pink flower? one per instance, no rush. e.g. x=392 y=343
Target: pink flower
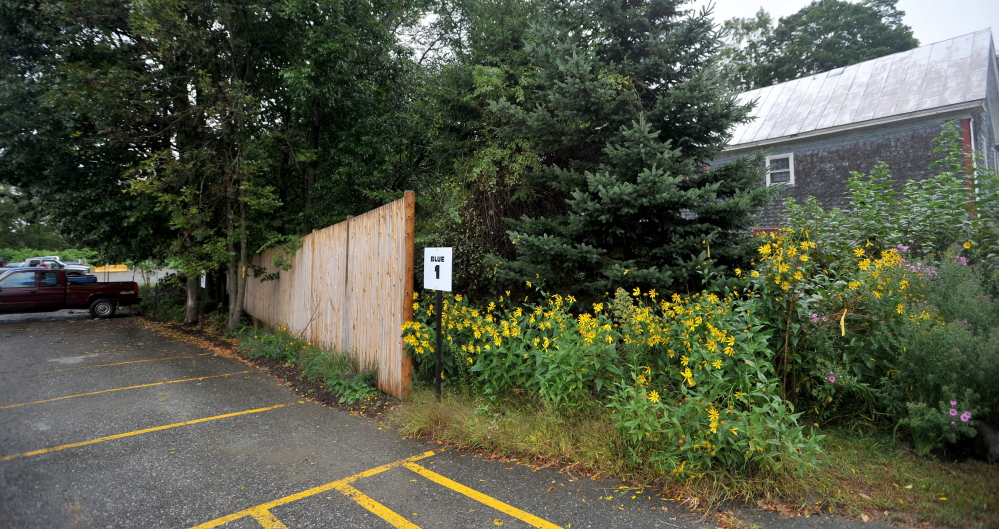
x=815 y=318
x=966 y=416
x=831 y=379
x=953 y=403
x=953 y=412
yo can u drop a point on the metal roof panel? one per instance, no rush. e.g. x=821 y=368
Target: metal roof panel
x=945 y=73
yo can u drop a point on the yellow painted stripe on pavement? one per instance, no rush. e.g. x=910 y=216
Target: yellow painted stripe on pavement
x=266 y=519
x=121 y=389
x=311 y=492
x=129 y=362
x=482 y=498
x=140 y=432
x=378 y=509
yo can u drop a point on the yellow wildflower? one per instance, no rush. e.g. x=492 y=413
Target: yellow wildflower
x=654 y=396
x=967 y=245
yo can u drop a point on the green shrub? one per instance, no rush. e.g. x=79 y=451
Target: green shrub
x=959 y=292
x=333 y=369
x=689 y=380
x=274 y=345
x=950 y=420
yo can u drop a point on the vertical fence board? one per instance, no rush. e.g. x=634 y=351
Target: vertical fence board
x=349 y=289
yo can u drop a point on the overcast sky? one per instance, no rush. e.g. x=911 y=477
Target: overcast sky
x=931 y=20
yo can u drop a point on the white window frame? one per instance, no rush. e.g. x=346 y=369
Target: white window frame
x=790 y=164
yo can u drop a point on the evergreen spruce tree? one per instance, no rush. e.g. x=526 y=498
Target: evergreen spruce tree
x=625 y=111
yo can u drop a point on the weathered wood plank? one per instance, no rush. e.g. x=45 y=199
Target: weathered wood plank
x=349 y=289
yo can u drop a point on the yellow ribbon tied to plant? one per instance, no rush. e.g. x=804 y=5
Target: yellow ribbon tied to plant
x=842 y=323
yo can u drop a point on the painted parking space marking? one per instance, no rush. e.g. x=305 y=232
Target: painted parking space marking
x=128 y=362
x=376 y=508
x=141 y=432
x=263 y=515
x=255 y=511
x=266 y=519
x=121 y=389
x=505 y=508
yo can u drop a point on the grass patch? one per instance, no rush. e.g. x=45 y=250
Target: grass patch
x=872 y=475
x=513 y=428
x=858 y=475
x=336 y=371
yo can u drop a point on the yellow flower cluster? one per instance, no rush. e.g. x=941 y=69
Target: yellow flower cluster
x=786 y=259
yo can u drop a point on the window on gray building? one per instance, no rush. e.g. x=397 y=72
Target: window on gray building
x=780 y=169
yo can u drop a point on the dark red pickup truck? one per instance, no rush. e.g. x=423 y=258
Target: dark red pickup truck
x=45 y=290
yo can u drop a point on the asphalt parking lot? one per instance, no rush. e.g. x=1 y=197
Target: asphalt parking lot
x=108 y=424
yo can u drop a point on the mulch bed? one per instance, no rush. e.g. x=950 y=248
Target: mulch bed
x=289 y=376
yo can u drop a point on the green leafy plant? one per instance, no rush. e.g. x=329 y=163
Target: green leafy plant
x=689 y=380
x=950 y=420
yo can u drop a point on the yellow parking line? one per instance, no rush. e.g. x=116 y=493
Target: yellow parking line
x=378 y=509
x=129 y=362
x=140 y=432
x=120 y=389
x=266 y=519
x=338 y=485
x=482 y=498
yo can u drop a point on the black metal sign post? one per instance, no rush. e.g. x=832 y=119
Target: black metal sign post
x=437 y=277
x=201 y=315
x=438 y=370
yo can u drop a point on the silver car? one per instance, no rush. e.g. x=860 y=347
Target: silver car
x=55 y=264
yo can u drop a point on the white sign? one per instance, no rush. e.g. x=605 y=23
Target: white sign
x=437 y=269
x=203 y=276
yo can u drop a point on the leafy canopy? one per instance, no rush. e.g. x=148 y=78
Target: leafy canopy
x=822 y=36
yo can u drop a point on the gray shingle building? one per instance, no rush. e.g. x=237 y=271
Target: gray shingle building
x=822 y=127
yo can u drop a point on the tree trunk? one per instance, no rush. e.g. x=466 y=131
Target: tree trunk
x=191 y=308
x=238 y=276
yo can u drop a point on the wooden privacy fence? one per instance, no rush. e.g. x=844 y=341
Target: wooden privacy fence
x=350 y=289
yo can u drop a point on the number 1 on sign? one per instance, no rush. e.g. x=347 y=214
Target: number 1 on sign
x=437 y=270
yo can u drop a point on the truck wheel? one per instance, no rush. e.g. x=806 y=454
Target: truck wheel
x=102 y=308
